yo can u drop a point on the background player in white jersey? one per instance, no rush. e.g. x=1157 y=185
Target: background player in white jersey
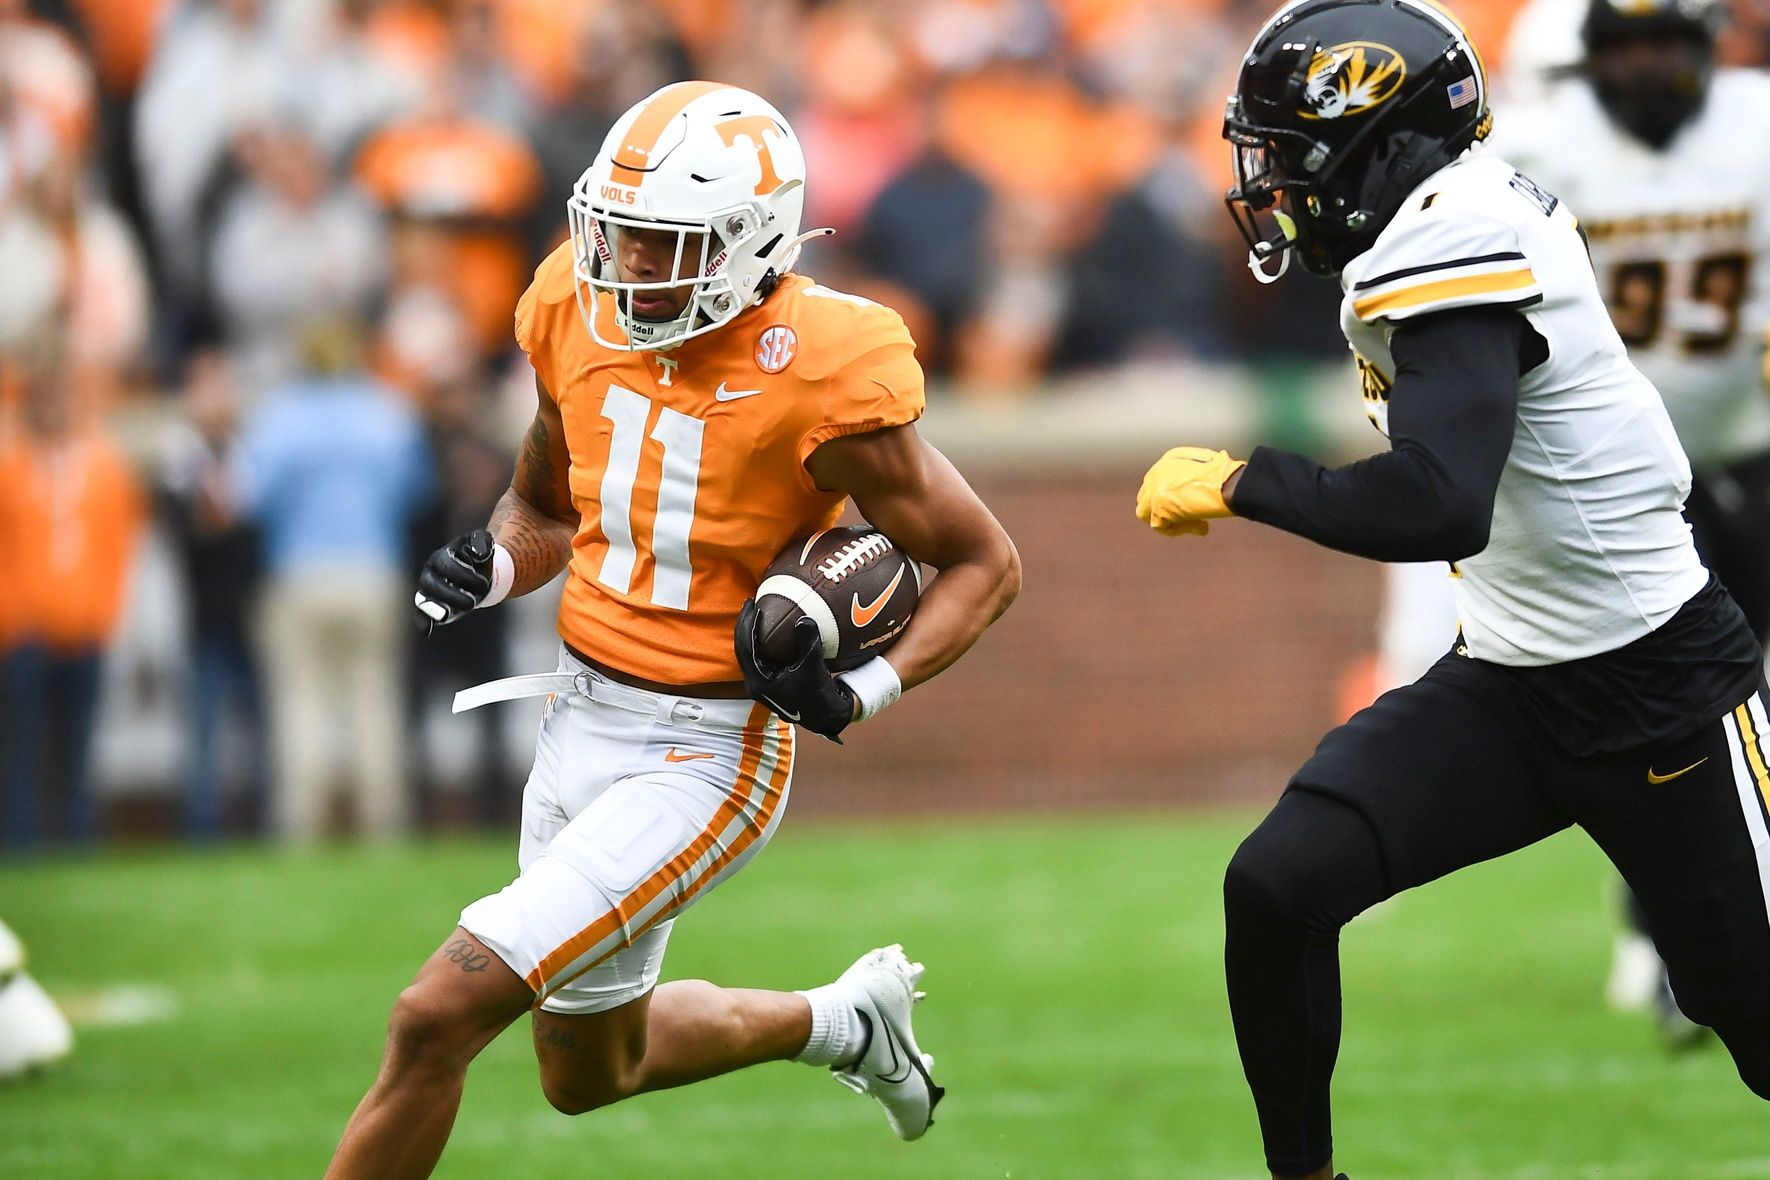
x=1599 y=660
x=1645 y=142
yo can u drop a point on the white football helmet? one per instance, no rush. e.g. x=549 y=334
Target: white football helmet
x=721 y=168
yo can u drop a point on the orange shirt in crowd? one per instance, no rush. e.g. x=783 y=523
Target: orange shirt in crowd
x=543 y=42
x=1028 y=132
x=70 y=516
x=480 y=179
x=123 y=35
x=688 y=466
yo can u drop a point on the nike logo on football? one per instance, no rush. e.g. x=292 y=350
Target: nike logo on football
x=862 y=615
x=672 y=756
x=1656 y=779
x=731 y=395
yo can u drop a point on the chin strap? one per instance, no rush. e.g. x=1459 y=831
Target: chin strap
x=1263 y=253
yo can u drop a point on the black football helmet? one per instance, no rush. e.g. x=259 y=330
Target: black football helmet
x=1342 y=108
x=1650 y=61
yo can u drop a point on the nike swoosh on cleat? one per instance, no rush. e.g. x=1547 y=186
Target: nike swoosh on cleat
x=731 y=395
x=901 y=1062
x=862 y=615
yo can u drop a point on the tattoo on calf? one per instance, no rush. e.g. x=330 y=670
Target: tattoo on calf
x=465 y=955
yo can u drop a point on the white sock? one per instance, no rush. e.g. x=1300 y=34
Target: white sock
x=839 y=1033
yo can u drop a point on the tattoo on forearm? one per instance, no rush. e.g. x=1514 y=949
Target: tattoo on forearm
x=467 y=956
x=557 y=1038
x=539 y=545
x=535 y=519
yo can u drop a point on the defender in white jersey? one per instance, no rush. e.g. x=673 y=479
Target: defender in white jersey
x=1599 y=661
x=1649 y=144
x=1643 y=139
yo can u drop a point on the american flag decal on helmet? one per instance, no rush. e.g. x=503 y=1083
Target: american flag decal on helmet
x=1461 y=93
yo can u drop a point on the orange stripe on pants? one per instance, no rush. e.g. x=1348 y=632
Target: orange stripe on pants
x=648 y=890
x=783 y=766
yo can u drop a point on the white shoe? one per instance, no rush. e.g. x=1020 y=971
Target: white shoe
x=893 y=1069
x=33 y=1033
x=1635 y=974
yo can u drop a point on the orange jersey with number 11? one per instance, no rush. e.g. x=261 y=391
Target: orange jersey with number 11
x=688 y=466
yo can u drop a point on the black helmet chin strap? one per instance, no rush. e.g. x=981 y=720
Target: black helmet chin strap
x=1414 y=158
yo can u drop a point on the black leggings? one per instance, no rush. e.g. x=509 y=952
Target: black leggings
x=1311 y=866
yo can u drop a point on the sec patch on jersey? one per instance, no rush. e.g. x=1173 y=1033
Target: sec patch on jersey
x=858 y=586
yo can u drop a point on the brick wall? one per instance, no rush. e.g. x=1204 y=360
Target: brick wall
x=1134 y=669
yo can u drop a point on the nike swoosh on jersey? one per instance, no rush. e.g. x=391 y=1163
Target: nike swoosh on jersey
x=1656 y=779
x=862 y=615
x=672 y=756
x=731 y=395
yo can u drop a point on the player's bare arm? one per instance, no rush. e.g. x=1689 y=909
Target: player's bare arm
x=526 y=543
x=535 y=518
x=913 y=494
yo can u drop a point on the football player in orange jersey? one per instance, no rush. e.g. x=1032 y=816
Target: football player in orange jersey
x=699 y=406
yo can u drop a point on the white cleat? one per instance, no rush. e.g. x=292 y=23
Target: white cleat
x=1636 y=974
x=893 y=1069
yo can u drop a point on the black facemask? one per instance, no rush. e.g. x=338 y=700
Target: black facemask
x=1653 y=117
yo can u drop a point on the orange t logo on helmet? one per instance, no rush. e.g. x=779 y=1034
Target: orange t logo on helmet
x=756 y=128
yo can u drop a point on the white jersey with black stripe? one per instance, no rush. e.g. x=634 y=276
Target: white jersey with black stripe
x=1680 y=242
x=1588 y=550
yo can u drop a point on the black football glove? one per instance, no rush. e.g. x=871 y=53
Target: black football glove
x=455 y=579
x=803 y=691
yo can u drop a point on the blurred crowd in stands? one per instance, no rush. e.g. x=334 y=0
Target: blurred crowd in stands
x=289 y=234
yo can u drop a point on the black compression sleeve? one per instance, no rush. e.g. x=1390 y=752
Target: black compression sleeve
x=1430 y=496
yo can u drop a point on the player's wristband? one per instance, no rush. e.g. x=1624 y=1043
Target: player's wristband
x=874 y=684
x=503 y=577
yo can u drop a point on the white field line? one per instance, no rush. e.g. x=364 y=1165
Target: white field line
x=121 y=1006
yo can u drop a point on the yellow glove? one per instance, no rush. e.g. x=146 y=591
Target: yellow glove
x=1185 y=489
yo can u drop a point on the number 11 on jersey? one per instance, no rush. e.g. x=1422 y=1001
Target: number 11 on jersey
x=680 y=438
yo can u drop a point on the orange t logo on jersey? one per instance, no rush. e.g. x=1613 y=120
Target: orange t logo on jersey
x=756 y=128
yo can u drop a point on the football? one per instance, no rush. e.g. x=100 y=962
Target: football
x=854 y=581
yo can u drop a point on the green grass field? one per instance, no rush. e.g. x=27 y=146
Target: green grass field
x=1076 y=1006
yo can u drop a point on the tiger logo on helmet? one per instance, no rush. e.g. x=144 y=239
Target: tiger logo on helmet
x=1350 y=79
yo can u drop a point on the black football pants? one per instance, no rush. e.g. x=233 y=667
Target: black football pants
x=1449 y=772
